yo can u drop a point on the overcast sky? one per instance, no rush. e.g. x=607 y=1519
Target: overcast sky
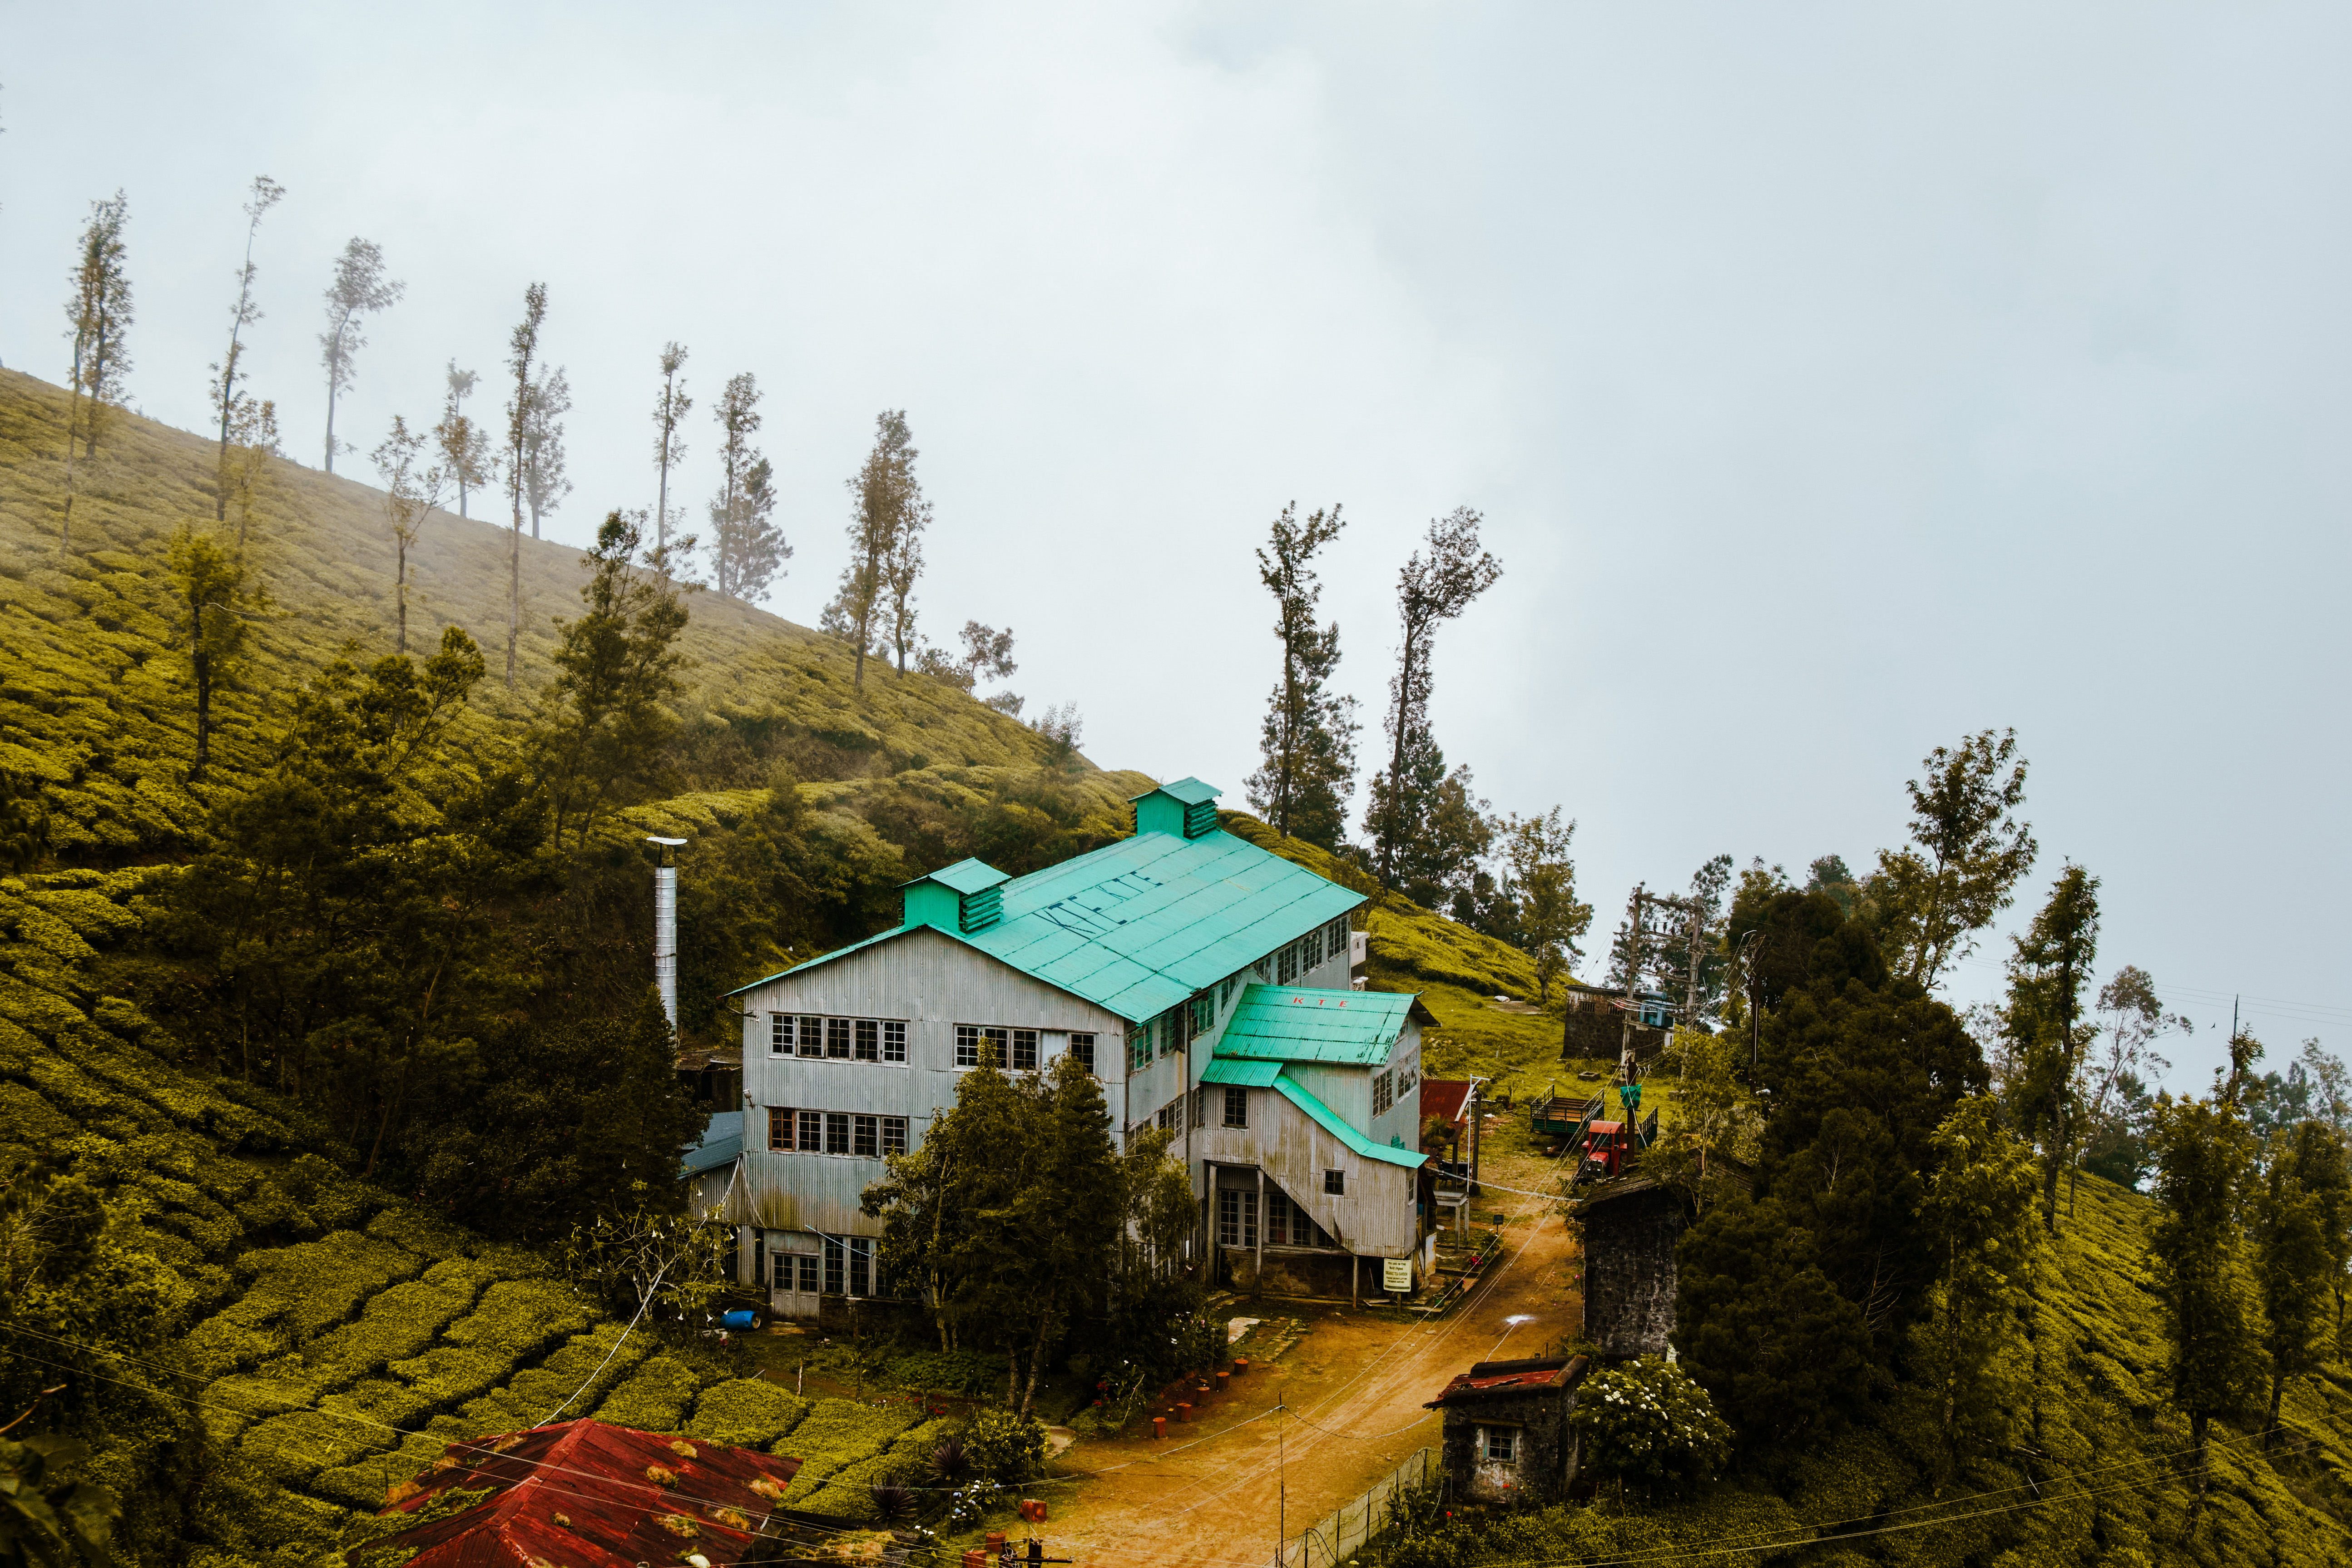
x=1835 y=380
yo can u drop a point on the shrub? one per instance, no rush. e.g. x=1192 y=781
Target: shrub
x=746 y=1413
x=1005 y=1447
x=655 y=1400
x=1646 y=1422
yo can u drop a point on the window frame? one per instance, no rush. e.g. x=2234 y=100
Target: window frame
x=1236 y=1108
x=866 y=1035
x=811 y=1132
x=780 y=1121
x=1334 y=1184
x=808 y=1273
x=1513 y=1443
x=836 y=1133
x=1025 y=1044
x=836 y=1039
x=1286 y=964
x=894 y=1040
x=780 y=1033
x=1383 y=1092
x=865 y=1137
x=809 y=1038
x=1082 y=1046
x=894 y=1135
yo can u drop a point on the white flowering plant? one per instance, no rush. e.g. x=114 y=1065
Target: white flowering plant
x=1646 y=1422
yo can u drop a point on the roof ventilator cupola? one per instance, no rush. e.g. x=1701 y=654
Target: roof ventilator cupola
x=1187 y=808
x=966 y=897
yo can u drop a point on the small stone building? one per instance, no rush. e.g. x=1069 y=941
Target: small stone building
x=1506 y=1434
x=1631 y=1226
x=1592 y=1023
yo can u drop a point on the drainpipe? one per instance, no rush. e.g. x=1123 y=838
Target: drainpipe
x=665 y=926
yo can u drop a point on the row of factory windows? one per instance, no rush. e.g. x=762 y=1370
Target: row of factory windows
x=1388 y=1088
x=1287 y=1225
x=1231 y=1106
x=884 y=1040
x=835 y=1133
x=837 y=1270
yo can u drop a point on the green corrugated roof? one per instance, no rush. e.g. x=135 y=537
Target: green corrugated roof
x=1303 y=1024
x=1140 y=925
x=1191 y=791
x=966 y=875
x=1248 y=1075
x=1331 y=1122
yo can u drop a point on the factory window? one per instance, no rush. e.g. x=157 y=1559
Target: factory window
x=836 y=1039
x=780 y=1033
x=1082 y=1047
x=894 y=1040
x=1139 y=1047
x=1310 y=949
x=861 y=1265
x=1171 y=1115
x=868 y=1139
x=1025 y=1050
x=1286 y=964
x=894 y=1135
x=1236 y=1218
x=1405 y=1077
x=808 y=1268
x=812 y=1131
x=1335 y=1182
x=1383 y=1093
x=1236 y=1107
x=967 y=1045
x=812 y=1036
x=836 y=1133
x=1335 y=936
x=1170 y=1028
x=780 y=1128
x=832 y=1267
x=869 y=1041
x=975 y=1042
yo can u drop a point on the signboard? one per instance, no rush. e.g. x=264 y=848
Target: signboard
x=1396 y=1274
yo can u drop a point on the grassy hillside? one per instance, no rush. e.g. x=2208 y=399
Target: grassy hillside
x=281 y=1342
x=2095 y=1472
x=95 y=700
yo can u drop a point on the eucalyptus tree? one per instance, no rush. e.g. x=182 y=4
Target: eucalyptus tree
x=266 y=193
x=1306 y=743
x=670 y=410
x=522 y=353
x=886 y=511
x=360 y=288
x=465 y=446
x=1431 y=589
x=543 y=458
x=746 y=548
x=412 y=488
x=98 y=317
x=1968 y=851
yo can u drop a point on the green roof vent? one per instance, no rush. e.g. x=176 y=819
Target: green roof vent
x=966 y=897
x=1187 y=808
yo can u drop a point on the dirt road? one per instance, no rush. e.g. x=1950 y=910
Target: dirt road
x=1223 y=1490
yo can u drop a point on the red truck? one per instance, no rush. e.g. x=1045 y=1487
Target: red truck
x=1607 y=1146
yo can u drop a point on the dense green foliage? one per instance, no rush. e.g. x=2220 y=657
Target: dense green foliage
x=1646 y=1423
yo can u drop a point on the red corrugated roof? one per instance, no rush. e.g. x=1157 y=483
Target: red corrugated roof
x=1443 y=1098
x=1509 y=1377
x=588 y=1495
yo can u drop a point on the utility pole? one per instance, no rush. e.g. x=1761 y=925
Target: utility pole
x=1632 y=974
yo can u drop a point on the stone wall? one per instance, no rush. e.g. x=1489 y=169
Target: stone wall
x=1628 y=1267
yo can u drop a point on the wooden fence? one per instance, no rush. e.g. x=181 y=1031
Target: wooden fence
x=1328 y=1543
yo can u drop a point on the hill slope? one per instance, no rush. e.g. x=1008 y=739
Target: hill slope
x=94 y=701
x=259 y=1346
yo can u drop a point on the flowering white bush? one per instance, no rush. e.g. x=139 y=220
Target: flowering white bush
x=1645 y=1421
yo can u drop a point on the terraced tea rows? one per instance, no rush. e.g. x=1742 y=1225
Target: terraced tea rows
x=326 y=1340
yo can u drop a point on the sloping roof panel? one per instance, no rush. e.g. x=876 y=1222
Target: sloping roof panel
x=966 y=875
x=1246 y=1075
x=1305 y=1024
x=1332 y=1123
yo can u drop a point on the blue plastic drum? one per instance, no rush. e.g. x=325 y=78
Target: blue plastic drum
x=740 y=1322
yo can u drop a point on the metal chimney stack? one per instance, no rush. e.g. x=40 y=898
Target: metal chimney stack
x=665 y=926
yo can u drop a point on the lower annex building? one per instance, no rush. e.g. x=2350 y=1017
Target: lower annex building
x=1205 y=982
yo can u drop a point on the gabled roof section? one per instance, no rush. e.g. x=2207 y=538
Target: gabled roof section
x=966 y=875
x=1137 y=926
x=1331 y=1122
x=1191 y=791
x=722 y=1140
x=1307 y=1024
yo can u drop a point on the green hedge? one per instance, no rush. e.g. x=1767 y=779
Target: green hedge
x=746 y=1413
x=838 y=1433
x=654 y=1399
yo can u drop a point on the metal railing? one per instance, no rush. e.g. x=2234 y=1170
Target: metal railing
x=1328 y=1542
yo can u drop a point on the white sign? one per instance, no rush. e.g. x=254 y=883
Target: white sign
x=1396 y=1273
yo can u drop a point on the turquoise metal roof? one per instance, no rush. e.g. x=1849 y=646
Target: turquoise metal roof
x=1302 y=1024
x=1140 y=925
x=1331 y=1122
x=722 y=1140
x=1191 y=791
x=966 y=875
x=1247 y=1075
